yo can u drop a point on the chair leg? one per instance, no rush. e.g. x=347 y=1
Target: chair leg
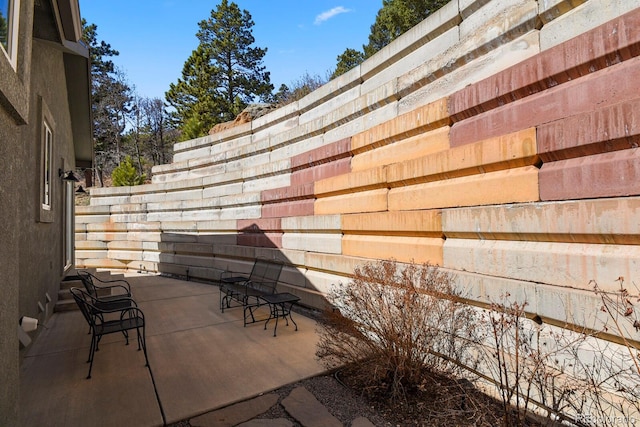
x=92 y=354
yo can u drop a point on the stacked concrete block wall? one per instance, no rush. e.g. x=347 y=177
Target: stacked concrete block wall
x=496 y=139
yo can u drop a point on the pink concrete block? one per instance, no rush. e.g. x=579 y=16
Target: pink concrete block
x=286 y=209
x=261 y=240
x=325 y=170
x=575 y=97
x=259 y=225
x=337 y=150
x=601 y=175
x=612 y=128
x=293 y=192
x=611 y=43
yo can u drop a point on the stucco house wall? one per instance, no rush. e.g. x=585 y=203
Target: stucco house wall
x=32 y=240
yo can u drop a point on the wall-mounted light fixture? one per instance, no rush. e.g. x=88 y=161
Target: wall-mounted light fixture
x=67 y=175
x=80 y=190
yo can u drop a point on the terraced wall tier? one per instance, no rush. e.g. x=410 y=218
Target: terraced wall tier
x=497 y=139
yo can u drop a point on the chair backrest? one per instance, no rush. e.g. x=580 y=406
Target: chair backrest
x=87 y=281
x=258 y=270
x=83 y=301
x=271 y=273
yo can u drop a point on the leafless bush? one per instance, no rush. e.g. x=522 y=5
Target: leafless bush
x=403 y=321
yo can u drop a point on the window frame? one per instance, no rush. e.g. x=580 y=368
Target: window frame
x=47 y=173
x=13 y=21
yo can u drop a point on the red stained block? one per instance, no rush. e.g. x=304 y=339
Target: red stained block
x=616 y=84
x=263 y=240
x=316 y=173
x=602 y=175
x=607 y=129
x=611 y=43
x=259 y=225
x=287 y=209
x=327 y=153
x=293 y=192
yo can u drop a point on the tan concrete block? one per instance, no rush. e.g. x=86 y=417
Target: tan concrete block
x=92 y=210
x=365 y=201
x=400 y=248
x=124 y=245
x=414 y=223
x=407 y=149
x=313 y=242
x=561 y=264
x=312 y=223
x=351 y=182
x=91 y=253
x=334 y=263
x=125 y=255
x=430 y=116
x=90 y=244
x=614 y=220
x=106 y=227
x=508 y=186
x=104 y=263
x=509 y=151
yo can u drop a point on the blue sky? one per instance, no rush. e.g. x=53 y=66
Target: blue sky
x=155 y=37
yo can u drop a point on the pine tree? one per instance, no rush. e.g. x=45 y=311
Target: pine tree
x=222 y=75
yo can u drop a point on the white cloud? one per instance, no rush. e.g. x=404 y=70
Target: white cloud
x=324 y=16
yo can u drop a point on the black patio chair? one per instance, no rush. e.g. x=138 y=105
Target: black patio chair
x=108 y=321
x=102 y=290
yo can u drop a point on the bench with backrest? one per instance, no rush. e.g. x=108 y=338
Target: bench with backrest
x=247 y=290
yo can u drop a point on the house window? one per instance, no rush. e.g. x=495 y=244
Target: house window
x=47 y=168
x=9 y=13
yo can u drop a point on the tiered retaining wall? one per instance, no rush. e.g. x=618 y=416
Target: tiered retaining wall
x=497 y=139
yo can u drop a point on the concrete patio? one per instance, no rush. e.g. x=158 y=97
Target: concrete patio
x=201 y=360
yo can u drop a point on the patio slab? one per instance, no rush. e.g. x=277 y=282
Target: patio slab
x=201 y=360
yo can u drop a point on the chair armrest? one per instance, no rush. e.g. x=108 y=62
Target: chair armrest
x=126 y=289
x=109 y=283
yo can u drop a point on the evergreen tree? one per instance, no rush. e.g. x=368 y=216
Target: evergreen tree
x=347 y=60
x=111 y=99
x=222 y=75
x=393 y=19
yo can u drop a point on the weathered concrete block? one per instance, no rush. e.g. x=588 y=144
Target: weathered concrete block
x=321 y=171
x=241 y=212
x=401 y=248
x=312 y=223
x=106 y=226
x=508 y=151
x=339 y=264
x=606 y=129
x=288 y=208
x=606 y=221
x=406 y=149
x=412 y=40
x=313 y=242
x=601 y=175
x=411 y=223
x=267 y=240
x=351 y=182
x=363 y=201
x=294 y=192
x=569 y=61
x=562 y=264
x=431 y=116
x=267 y=183
x=90 y=245
x=574 y=97
x=86 y=219
x=124 y=256
x=325 y=153
x=344 y=102
x=222 y=190
x=289 y=151
x=359 y=124
x=507 y=186
x=582 y=19
x=124 y=245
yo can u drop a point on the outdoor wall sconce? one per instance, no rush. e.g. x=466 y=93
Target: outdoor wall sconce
x=67 y=175
x=80 y=190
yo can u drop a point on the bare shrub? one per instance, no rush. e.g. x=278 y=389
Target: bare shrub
x=403 y=321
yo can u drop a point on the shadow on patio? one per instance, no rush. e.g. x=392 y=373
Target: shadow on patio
x=201 y=360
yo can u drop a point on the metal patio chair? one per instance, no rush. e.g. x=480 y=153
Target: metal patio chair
x=108 y=321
